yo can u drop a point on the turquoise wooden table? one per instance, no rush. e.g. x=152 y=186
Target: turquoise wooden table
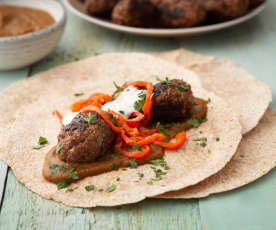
x=251 y=45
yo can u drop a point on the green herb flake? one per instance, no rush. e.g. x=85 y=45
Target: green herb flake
x=217 y=139
x=158 y=174
x=200 y=139
x=183 y=88
x=124 y=169
x=142 y=94
x=121 y=112
x=194 y=122
x=161 y=129
x=160 y=162
x=53 y=168
x=140 y=175
x=150 y=182
x=208 y=101
x=136 y=147
x=89 y=188
x=138 y=105
x=58 y=148
x=118 y=179
x=118 y=88
x=71 y=189
x=116 y=166
x=132 y=163
x=42 y=141
x=111 y=188
x=78 y=94
x=72 y=174
x=62 y=184
x=168 y=82
x=203 y=144
x=91 y=119
x=100 y=190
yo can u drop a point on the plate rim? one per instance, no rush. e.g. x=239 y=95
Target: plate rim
x=165 y=32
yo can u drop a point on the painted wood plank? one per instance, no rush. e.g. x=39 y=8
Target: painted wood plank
x=6 y=78
x=25 y=210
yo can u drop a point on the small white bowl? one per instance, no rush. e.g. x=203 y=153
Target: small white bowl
x=24 y=50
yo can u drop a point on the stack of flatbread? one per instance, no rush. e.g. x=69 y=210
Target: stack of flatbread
x=238 y=116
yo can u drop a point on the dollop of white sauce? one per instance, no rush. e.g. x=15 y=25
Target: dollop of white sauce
x=68 y=118
x=124 y=104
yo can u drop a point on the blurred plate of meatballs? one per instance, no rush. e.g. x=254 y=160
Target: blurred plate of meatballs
x=164 y=18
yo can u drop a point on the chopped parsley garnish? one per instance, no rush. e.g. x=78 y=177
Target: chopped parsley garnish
x=78 y=94
x=141 y=175
x=118 y=179
x=203 y=144
x=160 y=162
x=111 y=188
x=72 y=174
x=62 y=184
x=183 y=88
x=161 y=129
x=194 y=122
x=132 y=164
x=89 y=188
x=217 y=139
x=91 y=119
x=121 y=112
x=100 y=190
x=204 y=120
x=71 y=189
x=42 y=141
x=58 y=148
x=118 y=88
x=136 y=147
x=200 y=139
x=138 y=105
x=53 y=168
x=158 y=174
x=208 y=101
x=142 y=94
x=116 y=167
x=150 y=182
x=168 y=82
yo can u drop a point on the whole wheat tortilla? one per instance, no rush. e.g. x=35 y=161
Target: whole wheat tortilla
x=256 y=154
x=255 y=157
x=40 y=95
x=247 y=96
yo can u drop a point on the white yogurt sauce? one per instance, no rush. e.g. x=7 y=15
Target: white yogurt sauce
x=125 y=102
x=68 y=118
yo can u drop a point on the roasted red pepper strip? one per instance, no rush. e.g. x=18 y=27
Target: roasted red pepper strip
x=137 y=154
x=150 y=139
x=60 y=117
x=103 y=114
x=180 y=140
x=136 y=121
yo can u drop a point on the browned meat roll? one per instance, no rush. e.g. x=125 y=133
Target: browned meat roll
x=99 y=7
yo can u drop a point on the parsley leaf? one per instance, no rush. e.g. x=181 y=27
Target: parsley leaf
x=118 y=179
x=141 y=175
x=62 y=184
x=138 y=105
x=78 y=94
x=121 y=112
x=194 y=122
x=71 y=189
x=150 y=182
x=72 y=174
x=91 y=119
x=208 y=101
x=132 y=164
x=53 y=168
x=161 y=129
x=118 y=88
x=42 y=141
x=217 y=139
x=160 y=162
x=203 y=144
x=168 y=82
x=116 y=167
x=200 y=139
x=183 y=88
x=111 y=188
x=58 y=148
x=136 y=147
x=89 y=188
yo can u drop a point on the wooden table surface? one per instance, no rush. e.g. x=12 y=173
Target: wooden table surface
x=251 y=45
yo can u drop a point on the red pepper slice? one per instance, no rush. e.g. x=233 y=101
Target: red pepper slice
x=150 y=139
x=103 y=114
x=137 y=154
x=136 y=121
x=180 y=140
x=60 y=117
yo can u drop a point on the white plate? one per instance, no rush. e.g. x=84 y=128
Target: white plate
x=77 y=9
